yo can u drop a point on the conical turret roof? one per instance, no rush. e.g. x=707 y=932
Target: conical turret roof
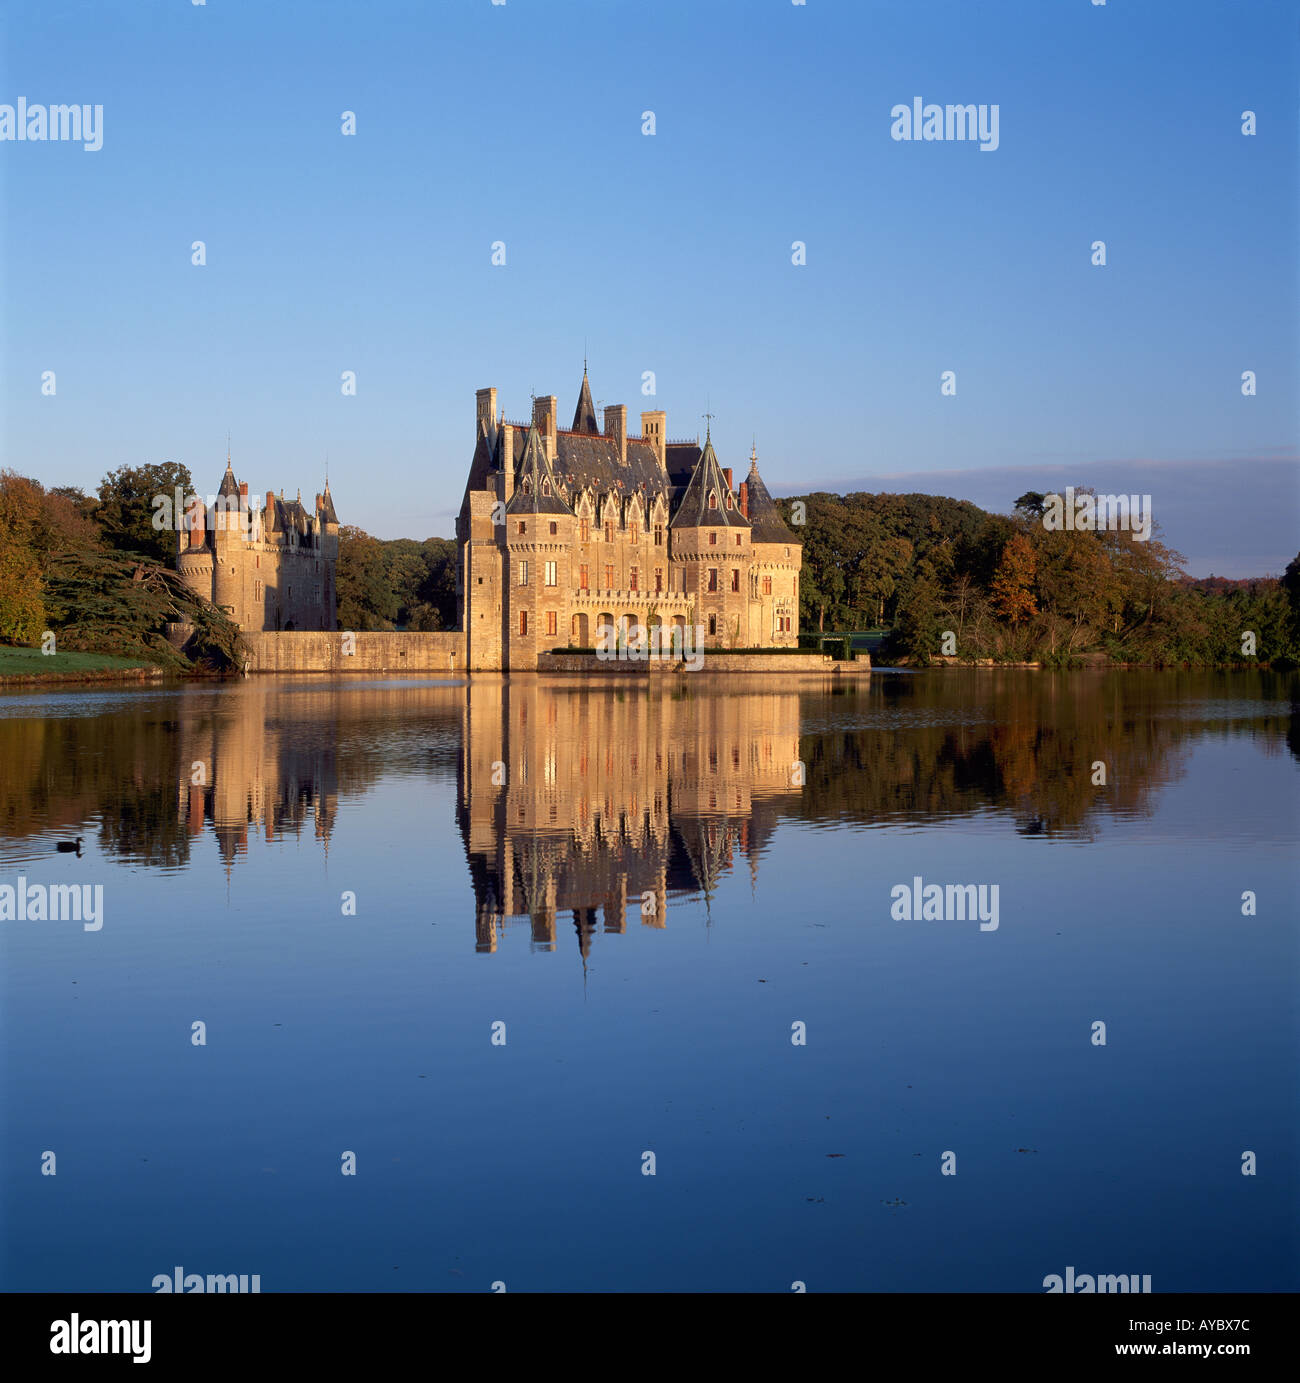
x=707 y=501
x=584 y=416
x=764 y=517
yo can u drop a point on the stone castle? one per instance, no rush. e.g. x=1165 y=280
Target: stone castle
x=269 y=568
x=570 y=538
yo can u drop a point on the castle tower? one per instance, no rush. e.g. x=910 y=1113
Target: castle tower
x=228 y=547
x=773 y=607
x=711 y=546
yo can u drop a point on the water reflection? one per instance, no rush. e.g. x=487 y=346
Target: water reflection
x=606 y=800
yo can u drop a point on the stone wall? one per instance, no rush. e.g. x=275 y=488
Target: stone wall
x=307 y=651
x=730 y=663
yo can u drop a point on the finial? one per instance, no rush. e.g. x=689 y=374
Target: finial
x=327 y=472
x=227 y=448
x=753 y=451
x=708 y=424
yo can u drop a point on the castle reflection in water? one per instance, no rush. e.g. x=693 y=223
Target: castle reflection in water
x=603 y=800
x=596 y=802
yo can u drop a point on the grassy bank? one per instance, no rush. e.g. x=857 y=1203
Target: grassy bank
x=26 y=664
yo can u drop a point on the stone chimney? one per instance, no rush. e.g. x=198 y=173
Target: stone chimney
x=485 y=411
x=544 y=418
x=744 y=498
x=243 y=492
x=726 y=475
x=654 y=430
x=196 y=516
x=616 y=428
x=508 y=460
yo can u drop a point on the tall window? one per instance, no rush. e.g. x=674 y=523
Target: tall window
x=735 y=578
x=550 y=576
x=521 y=528
x=713 y=624
x=582 y=577
x=584 y=530
x=635 y=578
x=659 y=580
x=713 y=499
x=740 y=539
x=609 y=578
x=636 y=532
x=713 y=540
x=523 y=622
x=523 y=573
x=767 y=585
x=555 y=528
x=609 y=530
x=551 y=618
x=659 y=535
x=713 y=578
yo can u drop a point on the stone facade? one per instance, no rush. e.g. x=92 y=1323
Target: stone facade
x=268 y=567
x=568 y=537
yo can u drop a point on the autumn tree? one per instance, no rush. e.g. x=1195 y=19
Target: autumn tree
x=1012 y=591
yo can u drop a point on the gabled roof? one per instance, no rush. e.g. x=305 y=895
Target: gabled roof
x=584 y=416
x=707 y=480
x=764 y=517
x=536 y=489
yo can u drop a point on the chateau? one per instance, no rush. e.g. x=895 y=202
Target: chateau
x=268 y=568
x=569 y=536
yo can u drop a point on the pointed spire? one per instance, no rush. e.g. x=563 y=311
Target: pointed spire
x=584 y=416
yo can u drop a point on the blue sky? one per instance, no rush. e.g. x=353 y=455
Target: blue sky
x=672 y=253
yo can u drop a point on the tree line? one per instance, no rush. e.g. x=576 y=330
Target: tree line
x=944 y=576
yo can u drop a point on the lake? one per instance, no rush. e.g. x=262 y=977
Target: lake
x=616 y=985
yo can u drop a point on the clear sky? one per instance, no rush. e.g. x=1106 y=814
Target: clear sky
x=669 y=253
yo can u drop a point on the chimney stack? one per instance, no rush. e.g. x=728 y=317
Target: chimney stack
x=744 y=498
x=726 y=475
x=654 y=430
x=485 y=411
x=243 y=491
x=508 y=460
x=616 y=428
x=544 y=418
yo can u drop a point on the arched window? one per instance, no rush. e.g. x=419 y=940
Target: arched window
x=528 y=486
x=713 y=499
x=546 y=487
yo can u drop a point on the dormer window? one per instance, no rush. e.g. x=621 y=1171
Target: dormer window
x=546 y=487
x=713 y=499
x=528 y=486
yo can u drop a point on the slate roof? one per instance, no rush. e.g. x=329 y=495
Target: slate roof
x=327 y=506
x=229 y=485
x=537 y=491
x=764 y=517
x=681 y=458
x=693 y=511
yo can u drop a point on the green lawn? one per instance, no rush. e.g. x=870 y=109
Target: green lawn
x=28 y=662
